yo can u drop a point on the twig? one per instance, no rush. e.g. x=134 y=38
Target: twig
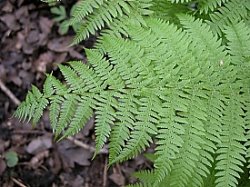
x=105 y=173
x=30 y=132
x=86 y=146
x=9 y=93
x=18 y=182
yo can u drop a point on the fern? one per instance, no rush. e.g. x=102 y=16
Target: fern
x=233 y=11
x=162 y=77
x=210 y=5
x=95 y=15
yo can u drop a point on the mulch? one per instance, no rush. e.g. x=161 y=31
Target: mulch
x=30 y=47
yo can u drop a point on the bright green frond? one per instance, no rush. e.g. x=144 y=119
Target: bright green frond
x=231 y=152
x=82 y=114
x=122 y=129
x=144 y=128
x=33 y=106
x=67 y=111
x=172 y=75
x=105 y=117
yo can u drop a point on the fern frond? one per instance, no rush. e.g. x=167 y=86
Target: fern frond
x=72 y=79
x=67 y=111
x=231 y=12
x=54 y=111
x=170 y=126
x=231 y=152
x=181 y=87
x=193 y=140
x=105 y=14
x=88 y=76
x=205 y=6
x=84 y=8
x=105 y=117
x=212 y=128
x=167 y=10
x=32 y=107
x=238 y=35
x=105 y=70
x=143 y=129
x=82 y=115
x=48 y=89
x=204 y=38
x=122 y=129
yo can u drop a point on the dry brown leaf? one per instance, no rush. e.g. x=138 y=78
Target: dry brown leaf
x=40 y=144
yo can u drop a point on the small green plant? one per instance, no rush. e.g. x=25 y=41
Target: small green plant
x=11 y=158
x=62 y=19
x=174 y=73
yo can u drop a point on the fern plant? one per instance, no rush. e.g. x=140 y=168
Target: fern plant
x=177 y=79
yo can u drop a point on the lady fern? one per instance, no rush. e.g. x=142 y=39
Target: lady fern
x=176 y=81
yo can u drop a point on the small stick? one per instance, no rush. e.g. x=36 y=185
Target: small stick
x=86 y=146
x=9 y=93
x=18 y=182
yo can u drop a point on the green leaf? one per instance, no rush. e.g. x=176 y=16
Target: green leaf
x=11 y=158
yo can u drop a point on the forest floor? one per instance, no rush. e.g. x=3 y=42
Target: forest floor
x=30 y=46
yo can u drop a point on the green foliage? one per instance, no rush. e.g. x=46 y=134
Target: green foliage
x=176 y=79
x=11 y=158
x=61 y=17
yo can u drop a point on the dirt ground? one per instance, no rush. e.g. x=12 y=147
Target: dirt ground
x=30 y=46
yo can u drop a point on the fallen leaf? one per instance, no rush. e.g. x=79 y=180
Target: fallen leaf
x=78 y=181
x=43 y=60
x=60 y=58
x=45 y=25
x=10 y=21
x=71 y=155
x=21 y=14
x=8 y=7
x=33 y=36
x=40 y=144
x=117 y=179
x=2 y=166
x=60 y=44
